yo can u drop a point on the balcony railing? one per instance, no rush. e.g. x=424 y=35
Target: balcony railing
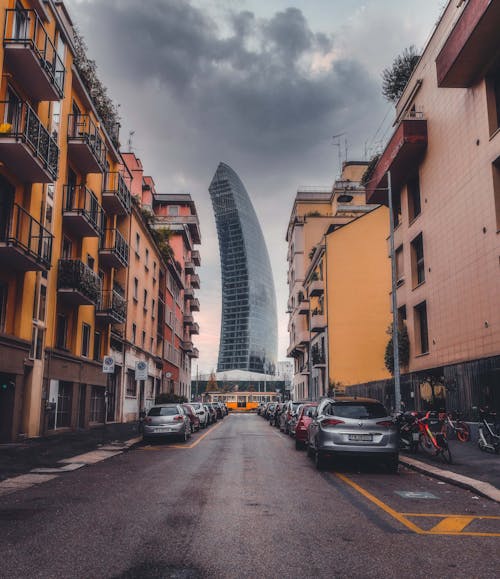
x=189 y=267
x=188 y=293
x=26 y=146
x=195 y=353
x=112 y=307
x=32 y=57
x=85 y=145
x=195 y=257
x=77 y=283
x=81 y=211
x=318 y=321
x=113 y=250
x=318 y=356
x=116 y=196
x=25 y=245
x=317 y=287
x=194 y=328
x=188 y=320
x=195 y=281
x=195 y=305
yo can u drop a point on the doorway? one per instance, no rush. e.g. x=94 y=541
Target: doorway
x=7 y=395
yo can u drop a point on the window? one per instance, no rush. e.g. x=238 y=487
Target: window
x=421 y=329
x=131 y=384
x=145 y=299
x=67 y=248
x=417 y=257
x=97 y=404
x=97 y=346
x=42 y=303
x=143 y=339
x=493 y=100
x=400 y=269
x=154 y=270
x=396 y=207
x=137 y=244
x=496 y=190
x=146 y=264
x=136 y=289
x=134 y=333
x=173 y=210
x=414 y=206
x=90 y=261
x=153 y=309
x=3 y=305
x=401 y=317
x=64 y=404
x=61 y=331
x=85 y=340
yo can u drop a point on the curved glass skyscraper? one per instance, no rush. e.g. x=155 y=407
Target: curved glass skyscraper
x=249 y=333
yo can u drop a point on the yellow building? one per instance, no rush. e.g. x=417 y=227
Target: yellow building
x=348 y=284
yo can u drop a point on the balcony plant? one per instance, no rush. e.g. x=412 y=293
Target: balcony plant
x=404 y=349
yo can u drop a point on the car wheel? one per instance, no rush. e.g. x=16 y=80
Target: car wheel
x=320 y=460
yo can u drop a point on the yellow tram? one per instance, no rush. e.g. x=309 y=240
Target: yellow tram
x=241 y=401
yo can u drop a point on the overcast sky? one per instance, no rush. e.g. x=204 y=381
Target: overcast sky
x=261 y=85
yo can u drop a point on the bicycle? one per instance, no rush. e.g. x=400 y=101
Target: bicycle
x=459 y=427
x=432 y=439
x=489 y=440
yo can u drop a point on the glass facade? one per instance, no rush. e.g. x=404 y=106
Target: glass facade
x=249 y=328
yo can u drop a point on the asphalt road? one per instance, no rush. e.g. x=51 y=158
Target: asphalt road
x=239 y=501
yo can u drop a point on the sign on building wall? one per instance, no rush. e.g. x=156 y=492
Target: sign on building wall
x=141 y=370
x=108 y=365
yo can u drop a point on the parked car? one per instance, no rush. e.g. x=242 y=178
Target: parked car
x=304 y=418
x=218 y=408
x=212 y=411
x=201 y=412
x=353 y=426
x=193 y=417
x=269 y=415
x=288 y=415
x=166 y=421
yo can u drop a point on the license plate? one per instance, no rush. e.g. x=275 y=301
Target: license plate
x=362 y=437
x=164 y=429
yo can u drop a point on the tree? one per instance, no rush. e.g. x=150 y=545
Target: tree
x=170 y=398
x=212 y=383
x=404 y=349
x=395 y=78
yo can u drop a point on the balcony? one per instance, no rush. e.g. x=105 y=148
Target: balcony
x=81 y=211
x=188 y=320
x=195 y=353
x=116 y=196
x=111 y=308
x=195 y=281
x=77 y=284
x=189 y=267
x=194 y=328
x=298 y=343
x=318 y=356
x=188 y=293
x=401 y=156
x=26 y=148
x=471 y=47
x=318 y=321
x=303 y=307
x=86 y=149
x=24 y=244
x=316 y=287
x=195 y=305
x=113 y=249
x=187 y=345
x=195 y=256
x=190 y=220
x=31 y=56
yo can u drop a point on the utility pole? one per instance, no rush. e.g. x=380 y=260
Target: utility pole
x=395 y=334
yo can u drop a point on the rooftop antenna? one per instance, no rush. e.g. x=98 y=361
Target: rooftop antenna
x=129 y=142
x=336 y=143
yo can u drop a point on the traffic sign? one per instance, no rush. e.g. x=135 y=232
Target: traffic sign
x=108 y=365
x=141 y=370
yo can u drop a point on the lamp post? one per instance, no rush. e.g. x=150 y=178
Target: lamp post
x=395 y=335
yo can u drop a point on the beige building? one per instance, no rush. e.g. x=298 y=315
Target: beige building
x=444 y=161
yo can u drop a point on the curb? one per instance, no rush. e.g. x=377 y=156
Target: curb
x=481 y=488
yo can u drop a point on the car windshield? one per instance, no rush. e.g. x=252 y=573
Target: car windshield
x=309 y=411
x=359 y=410
x=163 y=411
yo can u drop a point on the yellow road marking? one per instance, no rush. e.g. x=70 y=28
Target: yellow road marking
x=450 y=524
x=183 y=446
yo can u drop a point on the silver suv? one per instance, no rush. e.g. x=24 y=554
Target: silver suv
x=353 y=426
x=166 y=421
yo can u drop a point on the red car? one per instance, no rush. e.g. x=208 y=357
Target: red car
x=193 y=417
x=305 y=417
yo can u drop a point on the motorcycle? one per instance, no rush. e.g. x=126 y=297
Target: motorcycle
x=409 y=431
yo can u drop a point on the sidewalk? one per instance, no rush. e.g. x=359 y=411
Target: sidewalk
x=471 y=468
x=20 y=458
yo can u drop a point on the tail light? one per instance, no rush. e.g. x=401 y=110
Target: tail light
x=331 y=422
x=178 y=418
x=386 y=423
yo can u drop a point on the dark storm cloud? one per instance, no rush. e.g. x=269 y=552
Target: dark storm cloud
x=256 y=82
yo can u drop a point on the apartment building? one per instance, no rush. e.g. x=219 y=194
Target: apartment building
x=68 y=297
x=315 y=212
x=444 y=162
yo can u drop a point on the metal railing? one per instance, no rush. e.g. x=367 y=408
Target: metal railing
x=74 y=274
x=25 y=27
x=82 y=128
x=110 y=301
x=115 y=183
x=113 y=240
x=25 y=232
x=81 y=200
x=23 y=124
